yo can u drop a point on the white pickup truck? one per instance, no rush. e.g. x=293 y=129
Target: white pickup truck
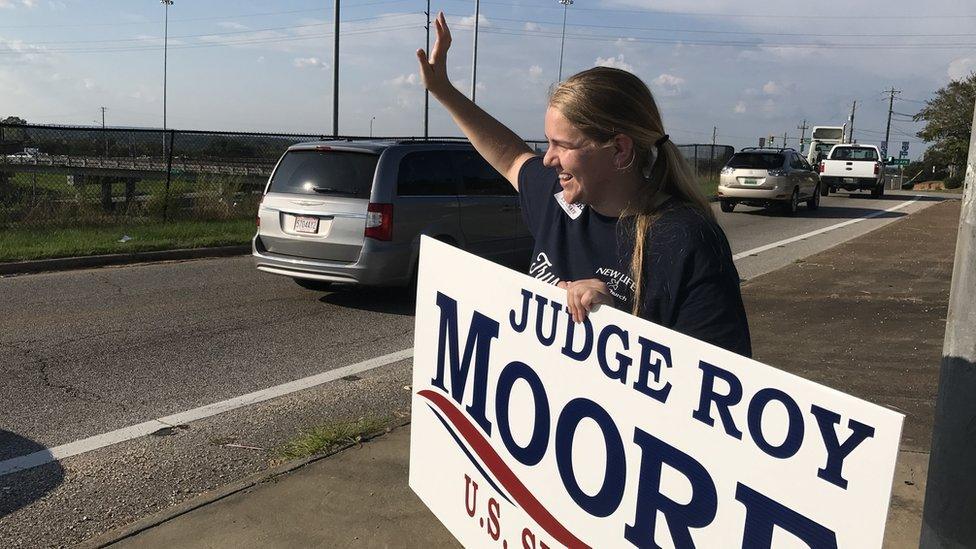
x=852 y=167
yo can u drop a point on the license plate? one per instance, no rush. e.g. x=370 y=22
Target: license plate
x=848 y=180
x=306 y=224
x=749 y=181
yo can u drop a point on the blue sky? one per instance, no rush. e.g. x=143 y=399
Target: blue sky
x=750 y=68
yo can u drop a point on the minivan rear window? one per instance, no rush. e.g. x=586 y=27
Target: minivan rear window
x=337 y=173
x=854 y=153
x=756 y=161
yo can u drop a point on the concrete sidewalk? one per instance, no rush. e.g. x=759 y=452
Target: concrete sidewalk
x=866 y=317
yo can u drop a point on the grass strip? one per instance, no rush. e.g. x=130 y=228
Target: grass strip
x=22 y=244
x=325 y=438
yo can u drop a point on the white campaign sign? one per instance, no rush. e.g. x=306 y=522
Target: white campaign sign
x=530 y=431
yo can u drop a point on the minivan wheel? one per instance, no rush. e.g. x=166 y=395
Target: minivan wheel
x=316 y=285
x=794 y=204
x=814 y=202
x=824 y=189
x=727 y=205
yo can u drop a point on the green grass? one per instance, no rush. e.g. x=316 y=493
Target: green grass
x=26 y=244
x=709 y=185
x=329 y=437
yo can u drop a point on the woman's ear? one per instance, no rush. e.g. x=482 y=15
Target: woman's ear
x=623 y=150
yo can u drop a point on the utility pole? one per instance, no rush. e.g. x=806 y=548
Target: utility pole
x=784 y=140
x=803 y=132
x=426 y=91
x=850 y=138
x=166 y=4
x=950 y=494
x=562 y=41
x=714 y=134
x=103 y=131
x=335 y=71
x=474 y=60
x=891 y=103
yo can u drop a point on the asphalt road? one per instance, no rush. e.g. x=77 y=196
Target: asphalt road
x=86 y=352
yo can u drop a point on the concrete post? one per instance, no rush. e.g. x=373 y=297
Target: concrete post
x=949 y=517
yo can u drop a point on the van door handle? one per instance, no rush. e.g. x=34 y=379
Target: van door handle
x=510 y=208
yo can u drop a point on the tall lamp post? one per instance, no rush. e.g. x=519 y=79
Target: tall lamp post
x=335 y=72
x=166 y=4
x=371 y=126
x=474 y=55
x=562 y=42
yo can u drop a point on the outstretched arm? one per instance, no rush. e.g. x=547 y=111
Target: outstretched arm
x=500 y=146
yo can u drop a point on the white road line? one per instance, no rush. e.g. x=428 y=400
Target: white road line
x=766 y=247
x=48 y=455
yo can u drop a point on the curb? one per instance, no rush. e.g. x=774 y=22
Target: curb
x=70 y=263
x=112 y=537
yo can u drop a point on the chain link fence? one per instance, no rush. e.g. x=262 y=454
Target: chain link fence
x=61 y=176
x=706 y=160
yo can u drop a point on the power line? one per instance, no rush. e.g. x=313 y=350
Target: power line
x=191 y=19
x=740 y=15
x=748 y=33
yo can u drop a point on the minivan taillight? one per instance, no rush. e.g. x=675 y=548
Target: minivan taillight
x=820 y=167
x=379 y=221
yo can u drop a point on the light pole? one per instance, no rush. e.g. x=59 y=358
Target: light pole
x=166 y=4
x=371 y=126
x=562 y=42
x=474 y=55
x=335 y=72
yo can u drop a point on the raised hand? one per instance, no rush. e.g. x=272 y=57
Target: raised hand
x=433 y=71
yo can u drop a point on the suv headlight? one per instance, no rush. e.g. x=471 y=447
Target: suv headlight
x=728 y=170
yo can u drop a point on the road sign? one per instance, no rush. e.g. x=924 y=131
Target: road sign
x=899 y=162
x=904 y=147
x=762 y=142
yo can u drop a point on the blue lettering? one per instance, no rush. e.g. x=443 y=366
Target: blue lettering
x=546 y=340
x=606 y=501
x=722 y=402
x=794 y=431
x=836 y=452
x=660 y=353
x=680 y=518
x=583 y=353
x=532 y=453
x=520 y=326
x=483 y=330
x=623 y=361
x=763 y=513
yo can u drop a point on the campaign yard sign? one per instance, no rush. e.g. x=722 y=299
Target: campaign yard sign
x=530 y=431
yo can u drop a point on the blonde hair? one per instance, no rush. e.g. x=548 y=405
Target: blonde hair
x=603 y=102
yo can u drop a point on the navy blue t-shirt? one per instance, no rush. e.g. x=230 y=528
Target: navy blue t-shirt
x=690 y=283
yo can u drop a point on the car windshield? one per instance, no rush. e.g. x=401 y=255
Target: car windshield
x=854 y=153
x=325 y=173
x=756 y=161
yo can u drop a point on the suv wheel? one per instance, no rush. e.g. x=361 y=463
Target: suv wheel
x=794 y=204
x=814 y=201
x=727 y=205
x=316 y=285
x=824 y=189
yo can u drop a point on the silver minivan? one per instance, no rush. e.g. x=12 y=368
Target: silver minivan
x=353 y=211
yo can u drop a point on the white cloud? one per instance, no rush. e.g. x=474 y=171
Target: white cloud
x=469 y=21
x=772 y=88
x=740 y=107
x=535 y=71
x=532 y=27
x=614 y=62
x=404 y=80
x=233 y=25
x=14 y=3
x=668 y=84
x=961 y=68
x=309 y=62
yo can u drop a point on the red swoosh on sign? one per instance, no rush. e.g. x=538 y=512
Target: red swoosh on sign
x=505 y=476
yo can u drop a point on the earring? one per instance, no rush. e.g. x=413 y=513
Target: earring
x=629 y=164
